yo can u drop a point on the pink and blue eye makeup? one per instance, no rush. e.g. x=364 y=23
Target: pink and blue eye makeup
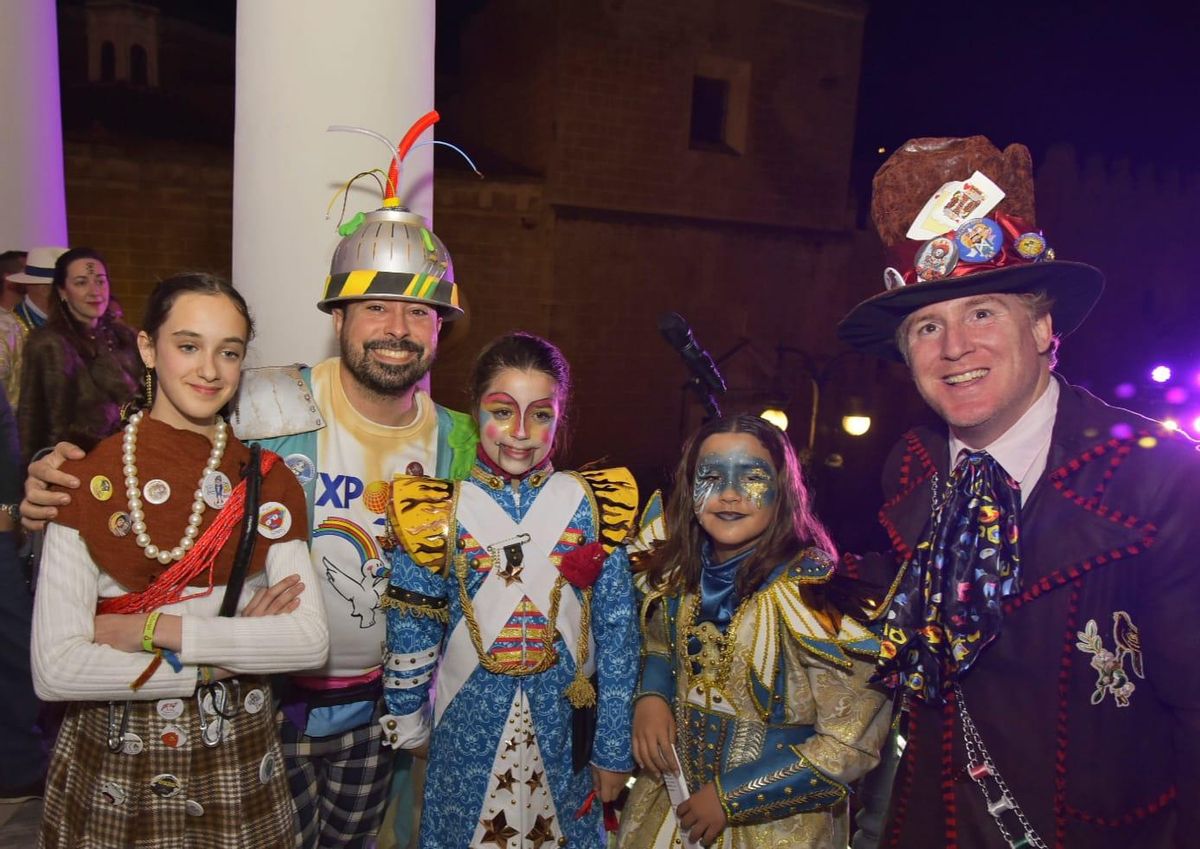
x=752 y=478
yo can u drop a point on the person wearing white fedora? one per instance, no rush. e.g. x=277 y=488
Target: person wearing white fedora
x=34 y=311
x=33 y=273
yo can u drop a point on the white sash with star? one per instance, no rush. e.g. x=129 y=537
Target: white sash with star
x=497 y=599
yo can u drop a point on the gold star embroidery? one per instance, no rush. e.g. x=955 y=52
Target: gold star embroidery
x=541 y=832
x=497 y=831
x=507 y=780
x=510 y=745
x=534 y=781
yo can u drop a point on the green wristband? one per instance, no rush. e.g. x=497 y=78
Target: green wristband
x=148 y=631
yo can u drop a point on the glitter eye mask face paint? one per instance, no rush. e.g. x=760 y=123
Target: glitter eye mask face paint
x=752 y=478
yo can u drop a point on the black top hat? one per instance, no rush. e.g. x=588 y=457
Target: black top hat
x=956 y=217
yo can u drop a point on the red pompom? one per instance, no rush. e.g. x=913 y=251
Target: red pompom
x=581 y=566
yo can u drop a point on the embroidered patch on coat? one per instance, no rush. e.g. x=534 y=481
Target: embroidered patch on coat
x=1112 y=676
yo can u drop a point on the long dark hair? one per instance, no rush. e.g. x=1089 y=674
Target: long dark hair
x=676 y=564
x=58 y=316
x=524 y=352
x=168 y=290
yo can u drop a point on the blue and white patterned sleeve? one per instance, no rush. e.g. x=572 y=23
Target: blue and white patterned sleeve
x=615 y=631
x=417 y=610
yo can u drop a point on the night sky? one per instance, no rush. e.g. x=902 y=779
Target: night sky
x=1119 y=79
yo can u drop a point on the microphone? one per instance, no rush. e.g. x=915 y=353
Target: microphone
x=678 y=334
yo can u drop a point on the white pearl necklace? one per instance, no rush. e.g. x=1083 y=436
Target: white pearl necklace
x=133 y=493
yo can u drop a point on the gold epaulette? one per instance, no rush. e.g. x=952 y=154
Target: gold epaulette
x=831 y=637
x=420 y=513
x=614 y=496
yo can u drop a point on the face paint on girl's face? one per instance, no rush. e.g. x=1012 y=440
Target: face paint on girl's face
x=734 y=491
x=518 y=417
x=752 y=478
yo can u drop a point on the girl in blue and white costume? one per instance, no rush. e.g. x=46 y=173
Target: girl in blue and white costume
x=513 y=586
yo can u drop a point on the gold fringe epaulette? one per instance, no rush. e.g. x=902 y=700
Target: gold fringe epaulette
x=614 y=496
x=417 y=610
x=420 y=513
x=821 y=632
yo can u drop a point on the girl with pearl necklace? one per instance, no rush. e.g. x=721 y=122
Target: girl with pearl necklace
x=169 y=736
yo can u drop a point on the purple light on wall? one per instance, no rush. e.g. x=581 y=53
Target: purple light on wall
x=1122 y=430
x=32 y=197
x=1125 y=390
x=1176 y=395
x=1196 y=425
x=1160 y=374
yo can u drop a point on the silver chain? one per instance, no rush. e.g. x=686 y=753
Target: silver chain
x=980 y=768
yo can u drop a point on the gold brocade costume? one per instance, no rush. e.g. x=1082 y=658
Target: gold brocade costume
x=775 y=709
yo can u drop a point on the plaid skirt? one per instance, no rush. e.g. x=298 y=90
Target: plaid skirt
x=165 y=788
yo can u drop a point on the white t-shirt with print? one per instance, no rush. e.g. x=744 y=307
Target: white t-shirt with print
x=356 y=460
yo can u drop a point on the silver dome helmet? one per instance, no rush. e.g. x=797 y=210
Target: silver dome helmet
x=393 y=255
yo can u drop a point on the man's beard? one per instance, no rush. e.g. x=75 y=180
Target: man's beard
x=386 y=378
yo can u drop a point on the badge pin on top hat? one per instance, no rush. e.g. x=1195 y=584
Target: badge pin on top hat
x=957 y=218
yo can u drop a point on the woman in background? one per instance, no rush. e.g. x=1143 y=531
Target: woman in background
x=83 y=366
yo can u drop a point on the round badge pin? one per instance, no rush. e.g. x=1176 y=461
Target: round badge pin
x=173 y=736
x=978 y=240
x=156 y=491
x=1031 y=245
x=414 y=469
x=936 y=259
x=266 y=769
x=274 y=520
x=255 y=701
x=892 y=279
x=119 y=524
x=193 y=808
x=101 y=487
x=131 y=744
x=302 y=467
x=215 y=489
x=165 y=785
x=169 y=708
x=112 y=793
x=211 y=705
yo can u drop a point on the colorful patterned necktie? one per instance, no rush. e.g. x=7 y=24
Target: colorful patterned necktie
x=949 y=597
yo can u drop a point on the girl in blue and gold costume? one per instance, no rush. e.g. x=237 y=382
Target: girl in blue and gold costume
x=513 y=586
x=750 y=673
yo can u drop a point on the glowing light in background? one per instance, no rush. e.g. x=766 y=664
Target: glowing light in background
x=1196 y=425
x=776 y=417
x=1160 y=374
x=1176 y=395
x=1125 y=390
x=1170 y=424
x=1147 y=442
x=856 y=425
x=1122 y=430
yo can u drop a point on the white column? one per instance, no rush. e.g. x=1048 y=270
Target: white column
x=303 y=65
x=33 y=208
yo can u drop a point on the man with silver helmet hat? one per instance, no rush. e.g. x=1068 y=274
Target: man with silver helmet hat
x=390 y=288
x=345 y=427
x=1037 y=626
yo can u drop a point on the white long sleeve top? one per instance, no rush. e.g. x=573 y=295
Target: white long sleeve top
x=68 y=665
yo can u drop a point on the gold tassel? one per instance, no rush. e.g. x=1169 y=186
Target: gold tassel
x=404 y=607
x=580 y=692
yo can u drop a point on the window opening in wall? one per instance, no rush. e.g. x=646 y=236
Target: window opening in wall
x=710 y=108
x=108 y=62
x=137 y=65
x=720 y=104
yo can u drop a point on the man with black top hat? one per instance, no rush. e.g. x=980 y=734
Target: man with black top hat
x=1039 y=627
